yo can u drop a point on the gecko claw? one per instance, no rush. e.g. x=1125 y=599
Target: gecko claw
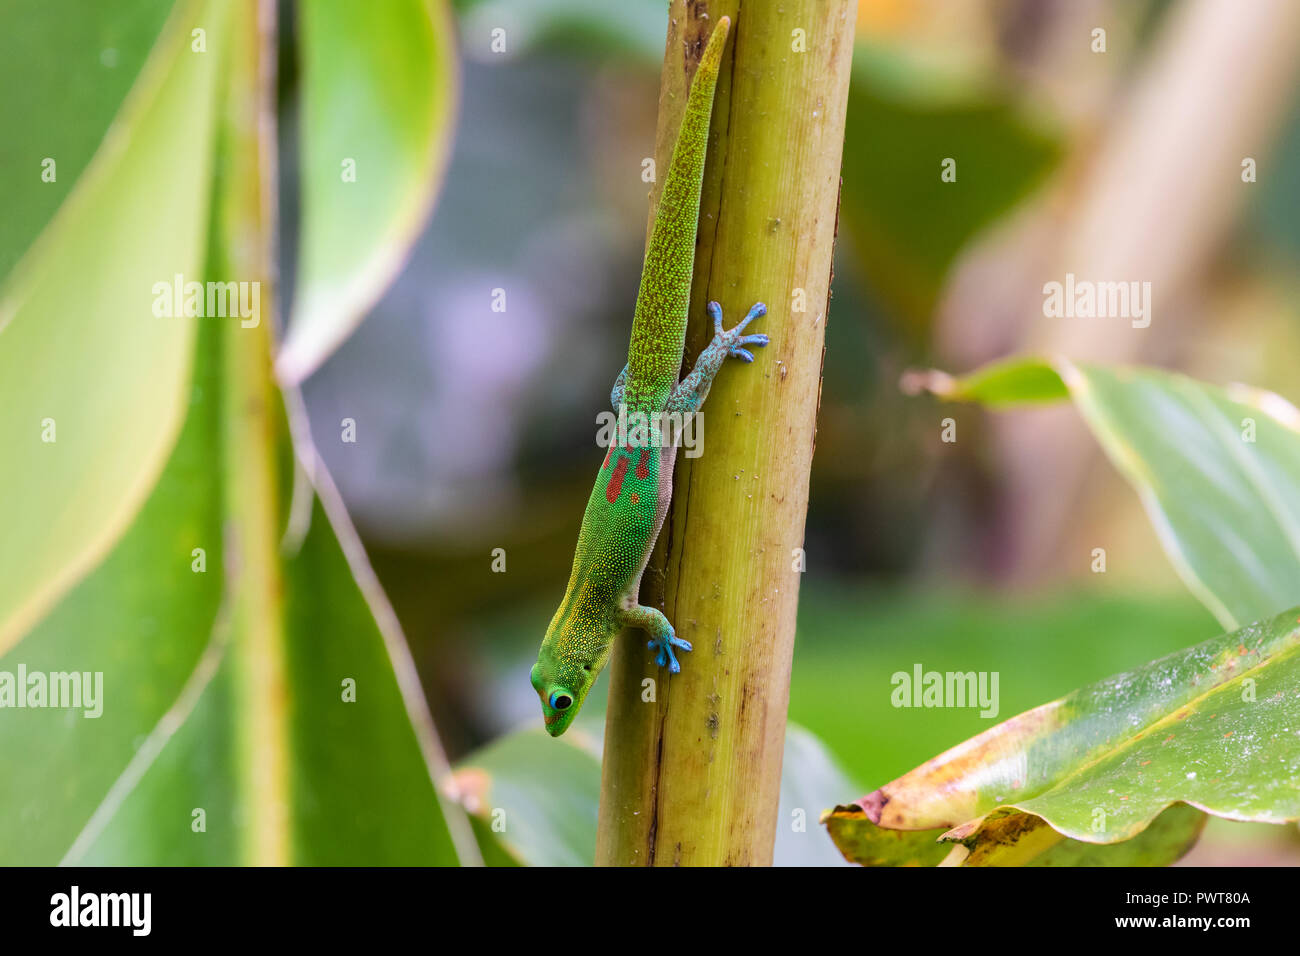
x=665 y=656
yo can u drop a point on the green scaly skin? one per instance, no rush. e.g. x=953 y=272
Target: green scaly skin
x=634 y=485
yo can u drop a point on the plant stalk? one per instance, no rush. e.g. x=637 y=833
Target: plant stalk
x=244 y=252
x=692 y=763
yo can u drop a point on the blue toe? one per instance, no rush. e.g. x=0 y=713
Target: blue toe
x=664 y=648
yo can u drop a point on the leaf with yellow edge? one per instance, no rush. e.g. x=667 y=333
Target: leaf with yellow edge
x=1215 y=726
x=861 y=841
x=379 y=82
x=94 y=385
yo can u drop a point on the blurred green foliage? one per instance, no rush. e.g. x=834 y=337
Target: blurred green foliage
x=67 y=66
x=184 y=592
x=906 y=221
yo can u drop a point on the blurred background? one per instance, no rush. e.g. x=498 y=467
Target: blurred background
x=475 y=427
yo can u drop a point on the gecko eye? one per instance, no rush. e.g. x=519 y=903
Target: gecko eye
x=561 y=701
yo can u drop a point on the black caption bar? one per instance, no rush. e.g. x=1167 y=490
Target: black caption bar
x=134 y=906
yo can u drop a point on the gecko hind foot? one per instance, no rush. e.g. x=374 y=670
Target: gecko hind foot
x=664 y=646
x=734 y=339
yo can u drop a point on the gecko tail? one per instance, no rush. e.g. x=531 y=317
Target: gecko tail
x=659 y=322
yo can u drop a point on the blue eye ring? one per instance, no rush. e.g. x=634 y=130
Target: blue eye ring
x=561 y=700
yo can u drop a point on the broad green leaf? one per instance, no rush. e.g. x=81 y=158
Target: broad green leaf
x=302 y=737
x=536 y=798
x=123 y=788
x=361 y=791
x=141 y=619
x=378 y=88
x=364 y=773
x=74 y=63
x=1215 y=726
x=93 y=384
x=1218 y=471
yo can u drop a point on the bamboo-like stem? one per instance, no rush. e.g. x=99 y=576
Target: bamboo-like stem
x=693 y=776
x=245 y=218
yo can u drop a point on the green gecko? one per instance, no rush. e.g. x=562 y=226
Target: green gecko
x=628 y=503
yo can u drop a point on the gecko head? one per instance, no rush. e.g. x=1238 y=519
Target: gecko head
x=562 y=691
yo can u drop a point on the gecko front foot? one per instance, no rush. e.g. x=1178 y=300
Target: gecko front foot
x=734 y=340
x=689 y=394
x=662 y=636
x=664 y=645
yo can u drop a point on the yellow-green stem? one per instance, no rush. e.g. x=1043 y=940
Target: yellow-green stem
x=694 y=776
x=245 y=230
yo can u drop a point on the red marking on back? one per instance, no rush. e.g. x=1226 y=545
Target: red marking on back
x=642 y=471
x=616 y=480
x=607 y=454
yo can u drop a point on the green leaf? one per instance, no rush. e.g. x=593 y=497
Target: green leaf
x=536 y=795
x=74 y=63
x=1218 y=471
x=864 y=843
x=1018 y=381
x=1214 y=726
x=93 y=383
x=361 y=789
x=123 y=788
x=383 y=744
x=142 y=619
x=536 y=798
x=378 y=88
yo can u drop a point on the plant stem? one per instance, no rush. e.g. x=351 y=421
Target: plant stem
x=693 y=777
x=244 y=253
